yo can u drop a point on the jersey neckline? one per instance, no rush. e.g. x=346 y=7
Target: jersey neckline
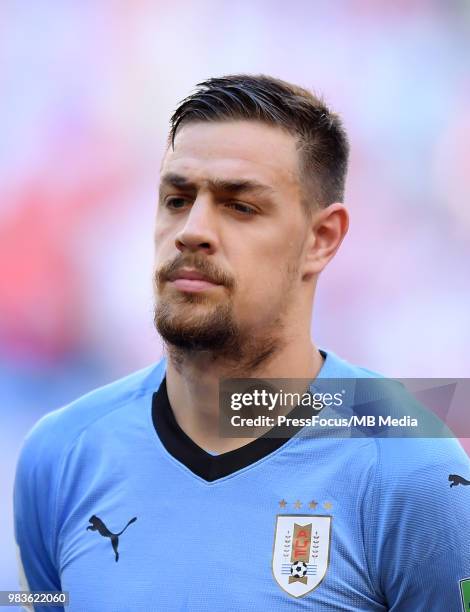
x=208 y=466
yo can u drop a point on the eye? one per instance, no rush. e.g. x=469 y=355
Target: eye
x=175 y=203
x=241 y=208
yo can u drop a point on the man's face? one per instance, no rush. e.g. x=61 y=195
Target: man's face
x=229 y=210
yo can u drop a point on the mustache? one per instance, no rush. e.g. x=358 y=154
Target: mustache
x=197 y=262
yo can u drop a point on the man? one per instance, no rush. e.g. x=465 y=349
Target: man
x=130 y=499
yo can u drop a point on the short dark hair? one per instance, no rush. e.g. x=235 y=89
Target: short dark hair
x=322 y=140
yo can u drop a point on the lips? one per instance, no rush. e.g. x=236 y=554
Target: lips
x=191 y=280
x=190 y=275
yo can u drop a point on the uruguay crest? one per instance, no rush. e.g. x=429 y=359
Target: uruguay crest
x=301 y=552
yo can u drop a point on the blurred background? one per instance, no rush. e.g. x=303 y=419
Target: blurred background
x=87 y=89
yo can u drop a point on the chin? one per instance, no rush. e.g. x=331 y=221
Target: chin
x=201 y=328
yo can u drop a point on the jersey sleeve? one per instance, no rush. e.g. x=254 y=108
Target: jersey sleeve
x=418 y=538
x=34 y=503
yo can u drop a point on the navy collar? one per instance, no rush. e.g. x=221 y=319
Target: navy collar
x=196 y=459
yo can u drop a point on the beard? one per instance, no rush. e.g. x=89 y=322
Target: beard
x=192 y=323
x=215 y=336
x=182 y=327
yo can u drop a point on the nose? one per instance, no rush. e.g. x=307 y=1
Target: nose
x=199 y=232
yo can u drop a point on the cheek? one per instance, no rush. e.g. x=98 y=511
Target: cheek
x=163 y=240
x=261 y=287
x=267 y=274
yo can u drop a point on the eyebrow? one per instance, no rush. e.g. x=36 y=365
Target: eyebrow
x=235 y=186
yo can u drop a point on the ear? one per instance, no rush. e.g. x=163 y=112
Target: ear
x=328 y=227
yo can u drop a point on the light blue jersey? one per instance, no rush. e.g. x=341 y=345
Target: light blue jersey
x=117 y=506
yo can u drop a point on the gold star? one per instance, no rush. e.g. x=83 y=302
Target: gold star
x=313 y=504
x=298 y=504
x=328 y=505
x=283 y=503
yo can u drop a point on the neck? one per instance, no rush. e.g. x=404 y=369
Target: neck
x=193 y=383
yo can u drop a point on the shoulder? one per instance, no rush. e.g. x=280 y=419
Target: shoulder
x=409 y=473
x=415 y=522
x=405 y=463
x=337 y=367
x=58 y=430
x=46 y=448
x=411 y=498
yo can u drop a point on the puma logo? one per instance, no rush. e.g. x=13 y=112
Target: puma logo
x=456 y=480
x=98 y=525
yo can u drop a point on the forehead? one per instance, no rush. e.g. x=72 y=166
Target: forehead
x=234 y=150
